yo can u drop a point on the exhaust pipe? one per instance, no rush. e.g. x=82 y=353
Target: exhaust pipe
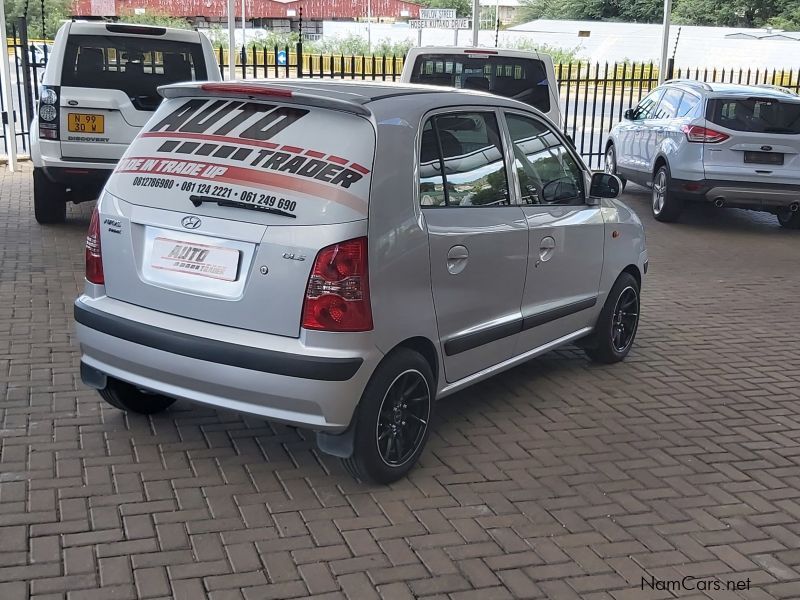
x=794 y=207
x=719 y=202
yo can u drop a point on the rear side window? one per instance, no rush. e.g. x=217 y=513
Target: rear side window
x=135 y=65
x=461 y=162
x=668 y=107
x=523 y=79
x=688 y=105
x=758 y=115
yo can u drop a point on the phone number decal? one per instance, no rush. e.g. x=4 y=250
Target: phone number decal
x=221 y=192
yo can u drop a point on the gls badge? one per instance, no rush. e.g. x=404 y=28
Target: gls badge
x=191 y=222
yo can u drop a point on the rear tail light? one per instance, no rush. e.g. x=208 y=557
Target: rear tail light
x=337 y=296
x=94 y=254
x=697 y=133
x=48 y=112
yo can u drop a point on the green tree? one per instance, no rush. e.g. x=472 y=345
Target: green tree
x=734 y=13
x=55 y=12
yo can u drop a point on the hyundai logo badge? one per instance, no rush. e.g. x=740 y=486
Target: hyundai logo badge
x=191 y=222
x=766 y=148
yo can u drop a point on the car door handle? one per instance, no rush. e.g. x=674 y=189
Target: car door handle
x=547 y=248
x=457 y=259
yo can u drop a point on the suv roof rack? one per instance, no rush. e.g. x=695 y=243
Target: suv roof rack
x=692 y=83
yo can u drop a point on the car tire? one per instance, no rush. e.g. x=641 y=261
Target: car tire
x=127 y=397
x=49 y=199
x=393 y=418
x=665 y=204
x=789 y=219
x=617 y=324
x=610 y=165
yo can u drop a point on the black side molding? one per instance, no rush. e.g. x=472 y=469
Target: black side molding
x=469 y=341
x=235 y=355
x=462 y=343
x=541 y=318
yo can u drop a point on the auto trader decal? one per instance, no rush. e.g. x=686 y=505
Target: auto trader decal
x=233 y=142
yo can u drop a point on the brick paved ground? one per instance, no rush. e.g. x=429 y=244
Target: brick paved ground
x=559 y=479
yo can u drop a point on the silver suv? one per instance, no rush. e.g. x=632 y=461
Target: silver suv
x=731 y=145
x=337 y=256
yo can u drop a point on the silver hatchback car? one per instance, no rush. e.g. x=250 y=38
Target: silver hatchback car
x=337 y=256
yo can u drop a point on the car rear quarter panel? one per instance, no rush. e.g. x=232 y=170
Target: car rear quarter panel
x=620 y=251
x=399 y=260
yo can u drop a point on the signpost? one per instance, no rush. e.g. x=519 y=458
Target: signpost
x=5 y=75
x=438 y=18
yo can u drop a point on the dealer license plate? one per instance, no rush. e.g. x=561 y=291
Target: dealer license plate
x=191 y=258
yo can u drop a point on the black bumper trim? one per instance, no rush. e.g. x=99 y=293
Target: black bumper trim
x=706 y=185
x=235 y=355
x=73 y=176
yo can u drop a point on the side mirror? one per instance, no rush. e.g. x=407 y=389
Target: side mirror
x=629 y=114
x=605 y=185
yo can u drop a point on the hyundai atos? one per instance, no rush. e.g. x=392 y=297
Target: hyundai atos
x=337 y=256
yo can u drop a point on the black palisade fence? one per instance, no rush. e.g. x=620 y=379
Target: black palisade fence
x=593 y=96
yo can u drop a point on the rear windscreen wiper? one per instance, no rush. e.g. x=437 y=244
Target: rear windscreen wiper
x=198 y=200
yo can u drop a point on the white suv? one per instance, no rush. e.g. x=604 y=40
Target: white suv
x=98 y=91
x=733 y=145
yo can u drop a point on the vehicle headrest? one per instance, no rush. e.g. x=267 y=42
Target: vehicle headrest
x=90 y=59
x=176 y=68
x=476 y=83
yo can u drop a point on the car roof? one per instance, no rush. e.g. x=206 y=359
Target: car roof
x=361 y=93
x=133 y=30
x=722 y=90
x=474 y=50
x=383 y=101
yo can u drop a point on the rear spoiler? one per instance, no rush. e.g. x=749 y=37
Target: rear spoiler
x=261 y=91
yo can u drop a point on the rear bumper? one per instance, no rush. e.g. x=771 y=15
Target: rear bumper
x=79 y=175
x=310 y=387
x=739 y=194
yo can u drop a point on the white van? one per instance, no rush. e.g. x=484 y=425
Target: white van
x=521 y=75
x=98 y=90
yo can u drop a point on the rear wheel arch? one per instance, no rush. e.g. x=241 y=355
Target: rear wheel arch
x=426 y=348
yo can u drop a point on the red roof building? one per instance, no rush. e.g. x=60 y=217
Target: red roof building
x=216 y=10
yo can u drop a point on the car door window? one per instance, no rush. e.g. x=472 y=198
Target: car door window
x=647 y=106
x=668 y=107
x=688 y=105
x=547 y=171
x=461 y=161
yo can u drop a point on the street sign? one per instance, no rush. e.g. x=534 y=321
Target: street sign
x=439 y=23
x=437 y=13
x=282 y=57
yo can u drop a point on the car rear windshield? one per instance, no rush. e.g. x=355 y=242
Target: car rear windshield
x=523 y=79
x=759 y=115
x=258 y=161
x=135 y=65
